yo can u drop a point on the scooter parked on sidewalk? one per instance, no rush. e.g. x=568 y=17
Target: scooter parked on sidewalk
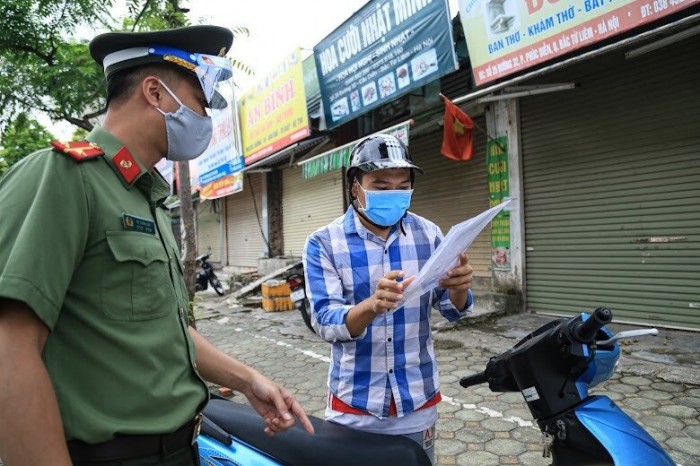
x=553 y=368
x=233 y=434
x=206 y=275
x=297 y=284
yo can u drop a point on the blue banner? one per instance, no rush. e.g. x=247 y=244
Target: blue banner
x=219 y=172
x=386 y=49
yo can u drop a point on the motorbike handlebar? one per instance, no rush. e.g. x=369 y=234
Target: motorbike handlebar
x=585 y=331
x=474 y=379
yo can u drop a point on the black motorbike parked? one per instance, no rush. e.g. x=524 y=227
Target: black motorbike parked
x=206 y=275
x=297 y=284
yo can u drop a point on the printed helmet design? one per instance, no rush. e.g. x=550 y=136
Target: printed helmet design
x=380 y=152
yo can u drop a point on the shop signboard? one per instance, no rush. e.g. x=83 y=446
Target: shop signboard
x=385 y=50
x=273 y=114
x=505 y=37
x=499 y=191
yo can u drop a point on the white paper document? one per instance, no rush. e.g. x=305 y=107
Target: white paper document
x=445 y=257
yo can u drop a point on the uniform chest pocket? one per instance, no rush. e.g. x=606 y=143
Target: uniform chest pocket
x=136 y=283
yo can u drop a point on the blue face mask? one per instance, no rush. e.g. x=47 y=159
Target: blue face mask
x=386 y=207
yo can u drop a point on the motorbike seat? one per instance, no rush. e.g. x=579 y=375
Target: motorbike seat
x=331 y=444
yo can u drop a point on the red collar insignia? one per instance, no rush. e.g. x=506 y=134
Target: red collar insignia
x=126 y=165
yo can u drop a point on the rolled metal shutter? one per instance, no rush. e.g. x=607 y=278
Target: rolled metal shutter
x=244 y=239
x=612 y=189
x=209 y=230
x=450 y=192
x=308 y=204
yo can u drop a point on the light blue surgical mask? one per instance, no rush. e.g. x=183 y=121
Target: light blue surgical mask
x=385 y=207
x=188 y=132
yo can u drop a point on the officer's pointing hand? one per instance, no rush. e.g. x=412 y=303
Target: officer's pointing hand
x=276 y=405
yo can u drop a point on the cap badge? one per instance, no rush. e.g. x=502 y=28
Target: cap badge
x=180 y=62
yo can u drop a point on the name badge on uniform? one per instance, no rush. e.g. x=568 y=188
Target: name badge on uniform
x=138 y=224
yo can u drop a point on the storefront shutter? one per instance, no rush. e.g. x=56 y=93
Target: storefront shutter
x=612 y=189
x=450 y=192
x=244 y=237
x=308 y=204
x=209 y=230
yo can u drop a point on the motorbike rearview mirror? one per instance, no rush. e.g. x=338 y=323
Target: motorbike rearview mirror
x=629 y=334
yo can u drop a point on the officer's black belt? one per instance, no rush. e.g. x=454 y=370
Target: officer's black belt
x=125 y=447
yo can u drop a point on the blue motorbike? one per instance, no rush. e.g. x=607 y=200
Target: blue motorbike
x=553 y=368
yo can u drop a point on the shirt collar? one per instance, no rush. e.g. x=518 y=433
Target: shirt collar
x=353 y=225
x=128 y=168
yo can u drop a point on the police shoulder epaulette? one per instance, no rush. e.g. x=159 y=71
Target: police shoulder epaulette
x=78 y=150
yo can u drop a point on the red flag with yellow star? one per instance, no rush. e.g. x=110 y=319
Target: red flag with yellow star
x=457 y=133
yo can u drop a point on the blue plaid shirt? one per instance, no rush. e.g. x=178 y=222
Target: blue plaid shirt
x=343 y=263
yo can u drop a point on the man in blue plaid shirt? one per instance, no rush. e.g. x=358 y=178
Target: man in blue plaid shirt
x=383 y=376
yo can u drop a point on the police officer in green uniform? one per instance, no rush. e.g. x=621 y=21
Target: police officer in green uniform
x=97 y=362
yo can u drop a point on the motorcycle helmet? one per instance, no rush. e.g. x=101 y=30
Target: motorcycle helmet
x=378 y=152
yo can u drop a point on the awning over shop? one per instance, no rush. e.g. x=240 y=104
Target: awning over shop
x=295 y=148
x=337 y=158
x=271 y=159
x=662 y=30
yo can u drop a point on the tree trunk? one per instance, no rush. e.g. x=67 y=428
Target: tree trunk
x=189 y=244
x=184 y=190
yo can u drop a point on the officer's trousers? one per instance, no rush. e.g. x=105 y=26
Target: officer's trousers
x=184 y=457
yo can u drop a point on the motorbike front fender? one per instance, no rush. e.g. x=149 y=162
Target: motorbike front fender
x=625 y=440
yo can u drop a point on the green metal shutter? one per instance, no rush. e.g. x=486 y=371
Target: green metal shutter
x=244 y=239
x=308 y=204
x=612 y=189
x=450 y=192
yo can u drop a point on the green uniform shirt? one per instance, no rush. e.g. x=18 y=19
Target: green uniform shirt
x=95 y=258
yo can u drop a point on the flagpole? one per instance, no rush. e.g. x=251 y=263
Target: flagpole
x=480 y=128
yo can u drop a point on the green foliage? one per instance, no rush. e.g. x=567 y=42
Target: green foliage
x=39 y=26
x=22 y=136
x=39 y=68
x=43 y=67
x=79 y=134
x=71 y=88
x=44 y=61
x=154 y=15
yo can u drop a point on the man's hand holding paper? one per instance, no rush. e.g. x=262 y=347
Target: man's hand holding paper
x=459 y=281
x=450 y=256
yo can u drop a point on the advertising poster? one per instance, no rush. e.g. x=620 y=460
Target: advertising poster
x=497 y=172
x=273 y=114
x=508 y=36
x=217 y=172
x=385 y=50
